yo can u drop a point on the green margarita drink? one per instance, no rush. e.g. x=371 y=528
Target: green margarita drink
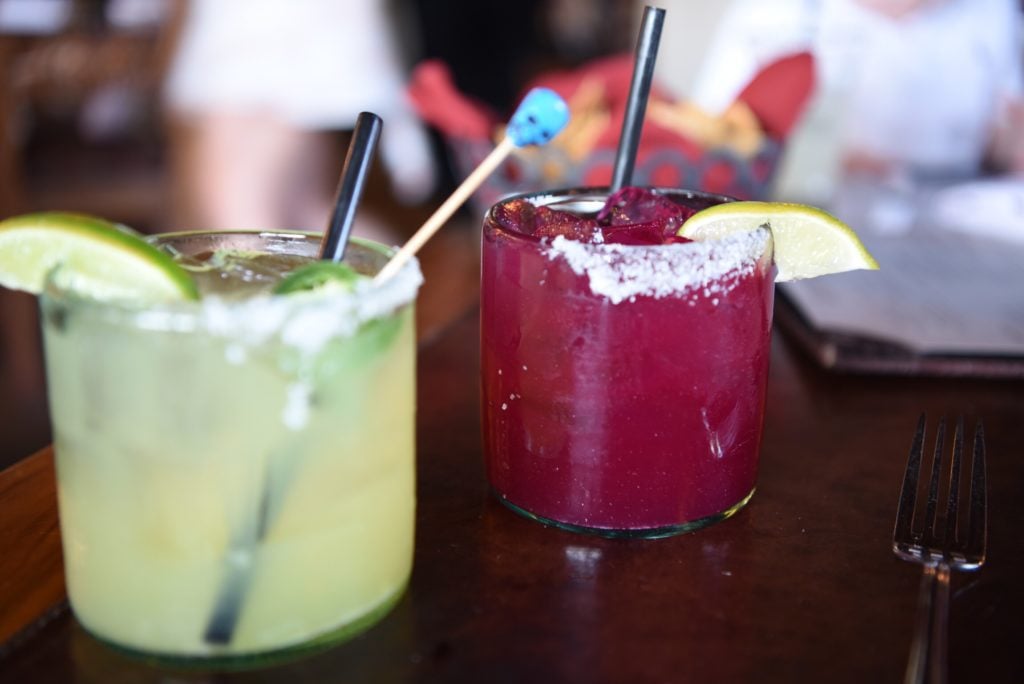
x=235 y=470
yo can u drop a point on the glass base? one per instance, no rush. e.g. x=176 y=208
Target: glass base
x=632 y=533
x=248 y=661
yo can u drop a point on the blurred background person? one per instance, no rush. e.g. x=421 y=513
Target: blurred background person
x=256 y=89
x=906 y=89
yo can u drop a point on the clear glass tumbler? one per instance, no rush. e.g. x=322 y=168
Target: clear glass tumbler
x=235 y=475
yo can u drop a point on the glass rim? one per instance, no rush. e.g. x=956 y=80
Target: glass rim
x=622 y=272
x=187 y=315
x=595 y=193
x=157 y=238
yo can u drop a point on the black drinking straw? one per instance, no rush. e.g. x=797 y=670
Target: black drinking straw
x=220 y=628
x=358 y=161
x=639 y=89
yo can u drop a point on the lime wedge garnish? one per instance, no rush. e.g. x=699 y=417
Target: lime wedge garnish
x=808 y=241
x=97 y=259
x=318 y=274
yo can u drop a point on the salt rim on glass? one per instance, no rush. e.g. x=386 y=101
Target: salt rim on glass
x=303 y=321
x=623 y=272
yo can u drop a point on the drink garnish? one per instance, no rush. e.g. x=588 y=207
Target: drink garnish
x=808 y=241
x=538 y=119
x=95 y=257
x=318 y=274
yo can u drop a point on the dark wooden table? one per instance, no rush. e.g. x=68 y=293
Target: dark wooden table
x=799 y=586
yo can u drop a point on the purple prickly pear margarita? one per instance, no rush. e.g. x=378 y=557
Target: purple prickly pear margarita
x=624 y=368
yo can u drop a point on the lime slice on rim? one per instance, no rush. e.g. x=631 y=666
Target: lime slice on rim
x=808 y=241
x=97 y=259
x=318 y=274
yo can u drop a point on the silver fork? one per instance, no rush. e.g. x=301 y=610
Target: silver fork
x=954 y=541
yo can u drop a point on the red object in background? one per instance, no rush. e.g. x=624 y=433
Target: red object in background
x=777 y=97
x=719 y=176
x=434 y=95
x=614 y=74
x=779 y=92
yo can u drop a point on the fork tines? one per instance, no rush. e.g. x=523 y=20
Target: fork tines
x=956 y=537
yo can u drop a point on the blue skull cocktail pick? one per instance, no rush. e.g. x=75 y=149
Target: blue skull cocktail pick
x=538 y=119
x=541 y=115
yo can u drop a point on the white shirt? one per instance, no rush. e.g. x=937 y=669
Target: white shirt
x=316 y=63
x=923 y=90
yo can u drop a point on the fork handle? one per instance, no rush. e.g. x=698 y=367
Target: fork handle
x=928 y=658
